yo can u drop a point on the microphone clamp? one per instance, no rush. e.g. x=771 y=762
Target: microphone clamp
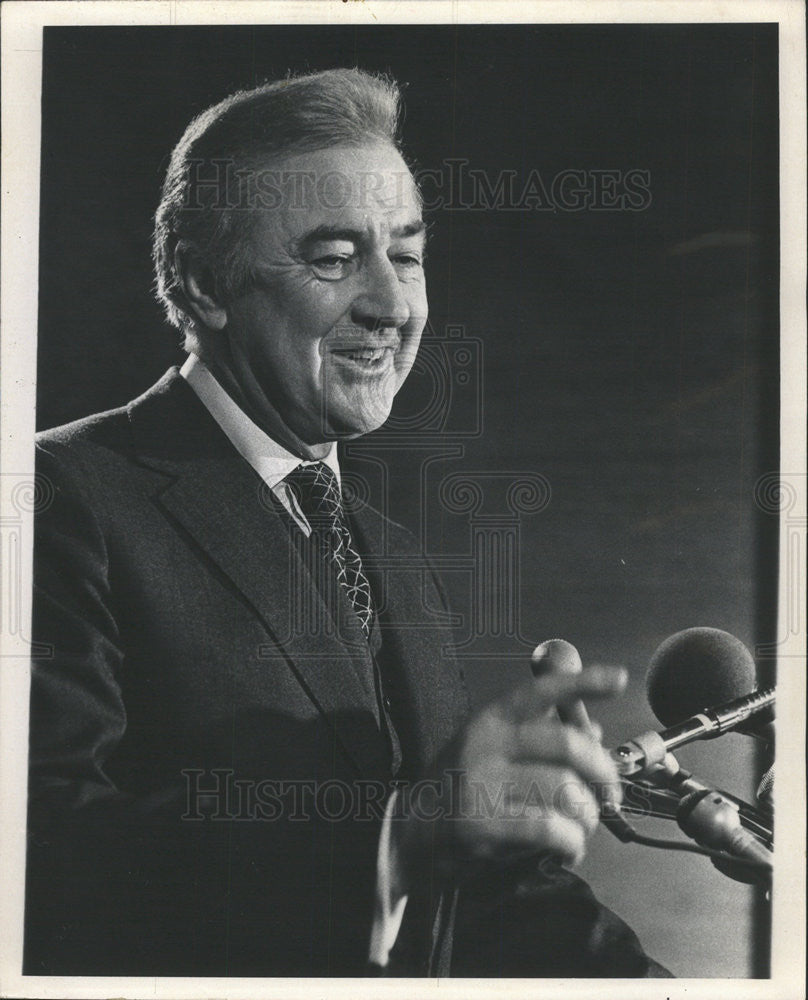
x=645 y=753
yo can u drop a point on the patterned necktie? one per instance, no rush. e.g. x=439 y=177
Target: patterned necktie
x=317 y=491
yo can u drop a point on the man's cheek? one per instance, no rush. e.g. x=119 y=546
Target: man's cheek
x=405 y=358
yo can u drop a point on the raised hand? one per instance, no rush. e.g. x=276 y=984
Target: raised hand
x=515 y=781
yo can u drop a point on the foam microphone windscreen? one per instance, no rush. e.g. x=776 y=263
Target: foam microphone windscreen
x=697 y=669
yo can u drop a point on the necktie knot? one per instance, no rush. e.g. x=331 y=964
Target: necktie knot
x=317 y=492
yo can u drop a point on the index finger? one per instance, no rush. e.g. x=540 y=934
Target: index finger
x=537 y=695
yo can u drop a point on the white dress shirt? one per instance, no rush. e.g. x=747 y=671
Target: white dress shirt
x=273 y=463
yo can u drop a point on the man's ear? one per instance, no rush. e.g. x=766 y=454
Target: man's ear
x=199 y=286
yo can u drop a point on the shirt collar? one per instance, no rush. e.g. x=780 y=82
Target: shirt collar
x=271 y=460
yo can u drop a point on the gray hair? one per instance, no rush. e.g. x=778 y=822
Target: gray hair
x=211 y=163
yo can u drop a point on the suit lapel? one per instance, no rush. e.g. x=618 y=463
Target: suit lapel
x=413 y=641
x=220 y=502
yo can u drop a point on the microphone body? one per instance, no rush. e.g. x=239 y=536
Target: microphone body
x=647 y=751
x=713 y=821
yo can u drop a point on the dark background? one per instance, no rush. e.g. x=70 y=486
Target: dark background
x=630 y=358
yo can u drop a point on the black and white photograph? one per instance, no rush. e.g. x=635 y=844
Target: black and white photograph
x=403 y=499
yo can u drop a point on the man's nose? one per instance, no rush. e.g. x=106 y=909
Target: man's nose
x=381 y=302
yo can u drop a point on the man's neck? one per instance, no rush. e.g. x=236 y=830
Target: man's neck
x=266 y=416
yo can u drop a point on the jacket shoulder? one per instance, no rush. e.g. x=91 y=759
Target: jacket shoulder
x=108 y=427
x=100 y=428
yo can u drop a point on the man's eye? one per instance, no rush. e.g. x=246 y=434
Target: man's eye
x=333 y=265
x=407 y=260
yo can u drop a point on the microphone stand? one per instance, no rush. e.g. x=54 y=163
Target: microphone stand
x=732 y=833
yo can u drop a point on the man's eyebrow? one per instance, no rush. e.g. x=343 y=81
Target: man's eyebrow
x=413 y=228
x=325 y=232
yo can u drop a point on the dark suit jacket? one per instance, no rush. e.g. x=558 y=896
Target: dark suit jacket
x=189 y=648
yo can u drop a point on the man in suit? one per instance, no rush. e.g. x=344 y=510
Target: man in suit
x=249 y=746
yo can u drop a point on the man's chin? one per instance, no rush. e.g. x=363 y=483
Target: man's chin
x=347 y=428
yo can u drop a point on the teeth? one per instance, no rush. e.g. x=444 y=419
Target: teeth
x=368 y=355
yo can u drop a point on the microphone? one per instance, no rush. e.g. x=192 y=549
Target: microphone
x=647 y=751
x=713 y=821
x=691 y=669
x=698 y=667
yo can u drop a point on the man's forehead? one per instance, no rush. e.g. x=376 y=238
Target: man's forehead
x=349 y=188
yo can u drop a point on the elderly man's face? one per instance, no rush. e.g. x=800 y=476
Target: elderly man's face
x=326 y=335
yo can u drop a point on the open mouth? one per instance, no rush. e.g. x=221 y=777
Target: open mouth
x=370 y=359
